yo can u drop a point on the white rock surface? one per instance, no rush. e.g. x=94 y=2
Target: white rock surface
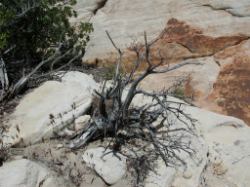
x=202 y=76
x=25 y=173
x=222 y=152
x=108 y=166
x=49 y=108
x=235 y=8
x=81 y=122
x=127 y=21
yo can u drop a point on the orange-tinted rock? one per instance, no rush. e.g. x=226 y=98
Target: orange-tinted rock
x=189 y=90
x=197 y=80
x=194 y=40
x=231 y=92
x=177 y=42
x=220 y=84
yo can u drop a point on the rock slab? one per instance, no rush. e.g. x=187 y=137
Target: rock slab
x=49 y=108
x=111 y=168
x=25 y=173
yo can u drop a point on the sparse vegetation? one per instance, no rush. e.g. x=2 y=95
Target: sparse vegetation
x=147 y=131
x=179 y=92
x=109 y=72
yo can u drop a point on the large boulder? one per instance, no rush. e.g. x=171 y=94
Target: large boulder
x=214 y=32
x=127 y=22
x=26 y=173
x=221 y=83
x=49 y=108
x=221 y=150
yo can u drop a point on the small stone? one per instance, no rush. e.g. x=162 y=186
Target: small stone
x=110 y=167
x=187 y=174
x=81 y=122
x=59 y=146
x=66 y=132
x=219 y=168
x=218 y=160
x=26 y=173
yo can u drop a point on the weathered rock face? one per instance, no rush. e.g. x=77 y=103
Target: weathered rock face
x=110 y=167
x=49 y=108
x=127 y=21
x=231 y=93
x=25 y=173
x=210 y=31
x=221 y=149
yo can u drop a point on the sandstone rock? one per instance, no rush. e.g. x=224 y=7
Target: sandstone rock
x=233 y=82
x=237 y=9
x=49 y=108
x=163 y=177
x=213 y=17
x=109 y=167
x=59 y=146
x=25 y=173
x=187 y=174
x=200 y=78
x=221 y=149
x=194 y=30
x=221 y=83
x=81 y=122
x=65 y=133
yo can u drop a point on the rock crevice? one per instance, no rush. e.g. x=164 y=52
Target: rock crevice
x=228 y=10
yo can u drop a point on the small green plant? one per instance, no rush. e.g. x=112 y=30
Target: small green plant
x=179 y=92
x=109 y=72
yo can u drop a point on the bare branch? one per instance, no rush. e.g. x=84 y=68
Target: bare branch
x=147 y=51
x=113 y=43
x=174 y=67
x=115 y=117
x=118 y=66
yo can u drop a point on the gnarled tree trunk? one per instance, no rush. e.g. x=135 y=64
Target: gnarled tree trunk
x=121 y=116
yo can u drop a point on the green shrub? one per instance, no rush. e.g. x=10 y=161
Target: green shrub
x=34 y=29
